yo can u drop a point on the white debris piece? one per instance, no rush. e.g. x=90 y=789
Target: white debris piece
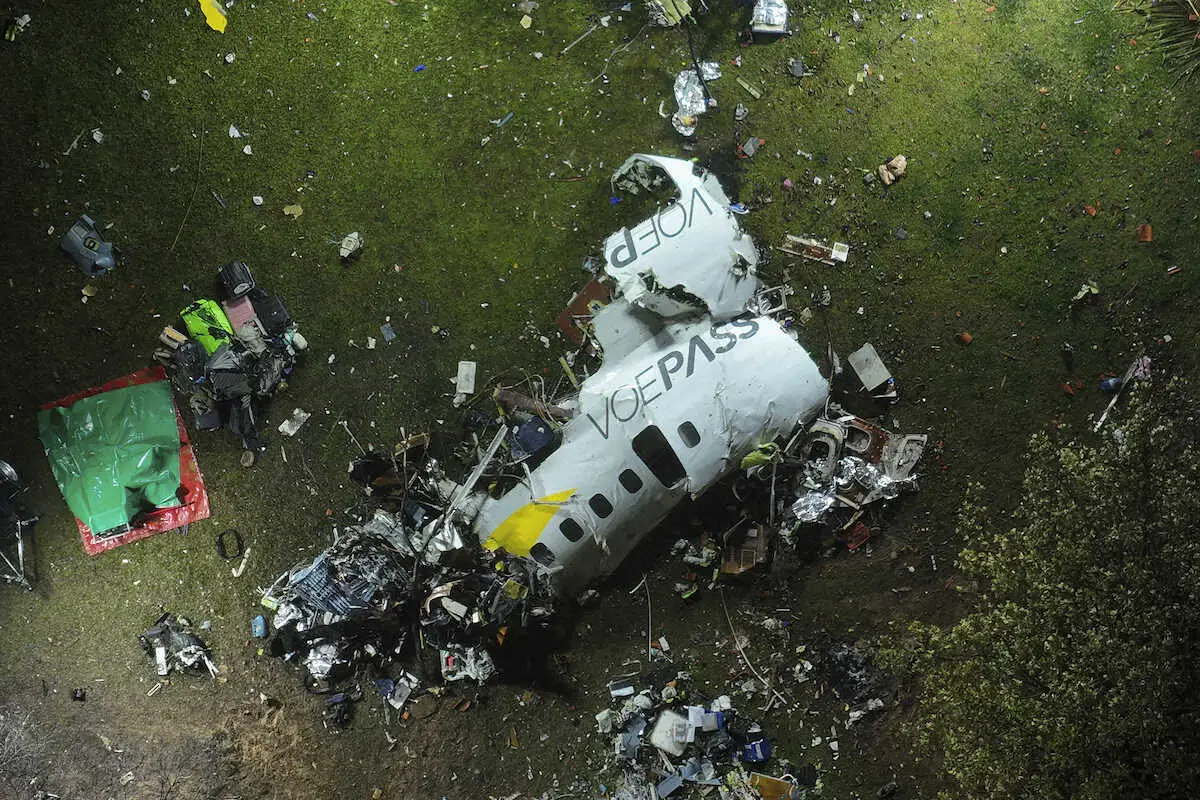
x=352 y=244
x=289 y=426
x=234 y=133
x=465 y=382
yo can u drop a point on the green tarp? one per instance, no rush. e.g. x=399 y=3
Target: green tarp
x=114 y=454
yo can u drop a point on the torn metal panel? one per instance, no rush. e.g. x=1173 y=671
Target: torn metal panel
x=690 y=256
x=869 y=368
x=576 y=319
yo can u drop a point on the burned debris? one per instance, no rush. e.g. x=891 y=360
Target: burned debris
x=565 y=486
x=175 y=647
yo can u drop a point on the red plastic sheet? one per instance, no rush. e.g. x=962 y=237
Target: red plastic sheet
x=195 y=497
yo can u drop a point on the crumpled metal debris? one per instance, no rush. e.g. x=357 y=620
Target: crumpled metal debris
x=769 y=16
x=690 y=96
x=174 y=647
x=812 y=506
x=353 y=605
x=350 y=246
x=892 y=170
x=848 y=462
x=467 y=662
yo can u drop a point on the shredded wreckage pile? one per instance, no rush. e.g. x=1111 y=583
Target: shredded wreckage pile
x=702 y=376
x=703 y=742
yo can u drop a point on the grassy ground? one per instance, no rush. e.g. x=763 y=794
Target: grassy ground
x=1014 y=119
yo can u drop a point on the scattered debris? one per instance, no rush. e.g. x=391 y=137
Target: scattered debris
x=1086 y=291
x=240 y=352
x=294 y=210
x=815 y=249
x=751 y=90
x=464 y=383
x=749 y=148
x=1138 y=370
x=1145 y=233
x=174 y=647
x=16 y=26
x=291 y=425
x=892 y=170
x=769 y=18
x=86 y=246
x=870 y=369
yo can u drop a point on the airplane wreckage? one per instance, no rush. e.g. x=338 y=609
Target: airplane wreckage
x=701 y=377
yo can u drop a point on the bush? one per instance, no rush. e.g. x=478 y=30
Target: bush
x=1175 y=26
x=1075 y=674
x=21 y=745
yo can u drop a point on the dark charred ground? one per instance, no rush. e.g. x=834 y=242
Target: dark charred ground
x=339 y=122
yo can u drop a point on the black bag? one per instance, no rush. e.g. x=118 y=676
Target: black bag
x=236 y=278
x=228 y=374
x=269 y=372
x=271 y=312
x=188 y=362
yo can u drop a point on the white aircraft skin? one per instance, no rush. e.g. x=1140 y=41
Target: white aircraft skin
x=669 y=420
x=686 y=390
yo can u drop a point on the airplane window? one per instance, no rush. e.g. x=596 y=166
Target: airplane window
x=655 y=452
x=689 y=434
x=630 y=480
x=542 y=554
x=571 y=529
x=600 y=505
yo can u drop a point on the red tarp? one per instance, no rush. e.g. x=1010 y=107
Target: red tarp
x=194 y=496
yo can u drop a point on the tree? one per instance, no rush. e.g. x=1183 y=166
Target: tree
x=1074 y=674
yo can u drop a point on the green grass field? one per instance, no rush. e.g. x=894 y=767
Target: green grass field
x=1015 y=118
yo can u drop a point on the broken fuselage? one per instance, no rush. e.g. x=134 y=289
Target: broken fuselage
x=693 y=380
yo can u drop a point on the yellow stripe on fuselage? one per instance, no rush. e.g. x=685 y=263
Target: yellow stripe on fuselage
x=523 y=527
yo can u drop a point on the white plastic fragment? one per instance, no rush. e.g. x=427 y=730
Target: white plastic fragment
x=465 y=382
x=289 y=426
